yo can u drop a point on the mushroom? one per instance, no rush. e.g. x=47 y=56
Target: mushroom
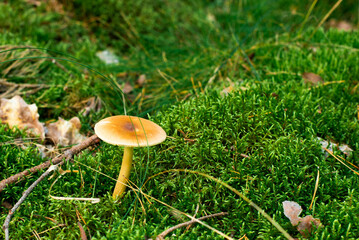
x=130 y=132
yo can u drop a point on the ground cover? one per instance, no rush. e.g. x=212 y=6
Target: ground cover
x=259 y=135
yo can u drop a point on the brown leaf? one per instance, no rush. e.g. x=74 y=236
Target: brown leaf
x=306 y=225
x=127 y=88
x=312 y=78
x=292 y=211
x=64 y=132
x=16 y=112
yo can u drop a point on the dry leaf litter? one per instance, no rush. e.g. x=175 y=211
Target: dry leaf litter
x=305 y=225
x=16 y=112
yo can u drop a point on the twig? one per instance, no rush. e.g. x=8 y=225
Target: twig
x=59 y=159
x=163 y=234
x=54 y=165
x=22 y=199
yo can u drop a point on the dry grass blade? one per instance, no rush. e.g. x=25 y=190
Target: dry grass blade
x=315 y=191
x=24 y=67
x=82 y=231
x=326 y=17
x=168 y=81
x=60 y=225
x=352 y=164
x=15 y=62
x=9 y=89
x=331 y=153
x=307 y=17
x=36 y=234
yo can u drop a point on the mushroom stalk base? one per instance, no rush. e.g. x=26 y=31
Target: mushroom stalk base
x=124 y=172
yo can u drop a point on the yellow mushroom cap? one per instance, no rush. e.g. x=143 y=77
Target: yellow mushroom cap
x=129 y=131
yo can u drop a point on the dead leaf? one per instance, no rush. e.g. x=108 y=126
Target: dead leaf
x=341 y=25
x=16 y=112
x=306 y=225
x=64 y=132
x=292 y=210
x=141 y=80
x=127 y=88
x=312 y=78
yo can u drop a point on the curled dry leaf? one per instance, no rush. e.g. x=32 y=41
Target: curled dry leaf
x=292 y=210
x=16 y=112
x=312 y=78
x=64 y=132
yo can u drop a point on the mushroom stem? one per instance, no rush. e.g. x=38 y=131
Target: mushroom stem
x=124 y=172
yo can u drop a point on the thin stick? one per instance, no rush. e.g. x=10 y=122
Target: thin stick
x=59 y=159
x=164 y=233
x=54 y=165
x=22 y=199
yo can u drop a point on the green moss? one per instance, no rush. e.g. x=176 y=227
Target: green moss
x=271 y=116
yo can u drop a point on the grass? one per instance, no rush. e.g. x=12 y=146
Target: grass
x=270 y=115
